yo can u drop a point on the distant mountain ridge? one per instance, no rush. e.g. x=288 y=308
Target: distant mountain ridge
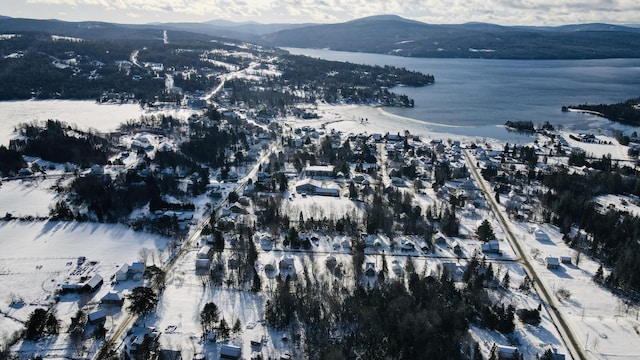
x=398 y=36
x=384 y=34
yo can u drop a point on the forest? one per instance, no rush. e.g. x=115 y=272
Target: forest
x=627 y=112
x=58 y=142
x=612 y=233
x=34 y=65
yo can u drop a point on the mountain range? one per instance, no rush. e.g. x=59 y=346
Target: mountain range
x=387 y=34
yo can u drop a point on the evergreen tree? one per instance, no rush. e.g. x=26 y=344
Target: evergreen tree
x=506 y=280
x=485 y=231
x=237 y=327
x=209 y=316
x=143 y=300
x=223 y=330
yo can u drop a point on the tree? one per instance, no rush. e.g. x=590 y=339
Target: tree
x=506 y=281
x=209 y=316
x=237 y=327
x=485 y=231
x=107 y=352
x=143 y=300
x=256 y=286
x=477 y=354
x=547 y=355
x=223 y=330
x=353 y=192
x=599 y=276
x=41 y=322
x=218 y=241
x=148 y=349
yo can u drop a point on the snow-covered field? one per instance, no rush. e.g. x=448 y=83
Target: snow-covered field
x=85 y=114
x=27 y=198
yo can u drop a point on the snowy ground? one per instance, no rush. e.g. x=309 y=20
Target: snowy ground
x=27 y=197
x=606 y=326
x=85 y=114
x=38 y=256
x=29 y=272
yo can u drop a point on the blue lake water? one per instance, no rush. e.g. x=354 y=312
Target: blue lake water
x=481 y=95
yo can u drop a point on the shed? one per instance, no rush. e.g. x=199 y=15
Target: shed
x=552 y=262
x=204 y=252
x=542 y=236
x=94 y=283
x=203 y=263
x=566 y=260
x=506 y=352
x=230 y=352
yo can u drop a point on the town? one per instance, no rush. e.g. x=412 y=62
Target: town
x=253 y=221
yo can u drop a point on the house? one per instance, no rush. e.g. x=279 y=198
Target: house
x=237 y=208
x=319 y=171
x=408 y=246
x=166 y=354
x=396 y=268
x=311 y=186
x=230 y=352
x=457 y=249
x=97 y=317
x=286 y=263
x=122 y=272
x=232 y=262
x=552 y=262
x=491 y=247
x=266 y=243
x=136 y=270
x=136 y=336
x=370 y=269
x=112 y=298
x=504 y=351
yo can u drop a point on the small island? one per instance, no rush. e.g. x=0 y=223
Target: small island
x=525 y=126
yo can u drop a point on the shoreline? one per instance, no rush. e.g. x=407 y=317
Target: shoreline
x=346 y=118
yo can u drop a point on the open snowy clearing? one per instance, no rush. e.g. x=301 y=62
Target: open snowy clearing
x=27 y=198
x=603 y=322
x=85 y=114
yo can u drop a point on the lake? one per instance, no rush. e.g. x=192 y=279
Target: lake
x=480 y=95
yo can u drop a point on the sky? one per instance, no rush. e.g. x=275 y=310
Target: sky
x=502 y=12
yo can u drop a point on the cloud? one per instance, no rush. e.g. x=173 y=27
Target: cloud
x=507 y=12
